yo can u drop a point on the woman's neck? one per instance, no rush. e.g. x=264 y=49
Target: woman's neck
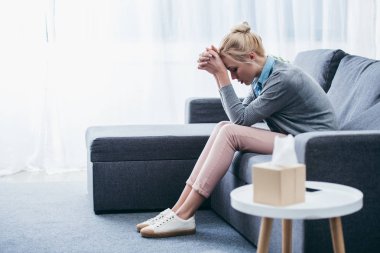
x=260 y=62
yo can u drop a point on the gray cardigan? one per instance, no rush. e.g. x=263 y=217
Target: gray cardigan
x=291 y=102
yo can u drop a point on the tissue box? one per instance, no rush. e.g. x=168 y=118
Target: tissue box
x=278 y=185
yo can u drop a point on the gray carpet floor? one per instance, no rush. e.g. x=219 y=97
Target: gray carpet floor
x=57 y=217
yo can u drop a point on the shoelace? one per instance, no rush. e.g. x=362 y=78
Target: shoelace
x=168 y=218
x=157 y=217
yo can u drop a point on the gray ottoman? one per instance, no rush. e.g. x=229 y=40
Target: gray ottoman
x=141 y=167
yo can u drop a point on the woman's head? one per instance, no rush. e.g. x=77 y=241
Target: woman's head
x=243 y=54
x=240 y=42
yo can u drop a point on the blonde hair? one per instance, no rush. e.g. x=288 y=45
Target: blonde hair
x=240 y=42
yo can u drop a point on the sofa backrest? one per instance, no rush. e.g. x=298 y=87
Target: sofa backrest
x=355 y=93
x=321 y=64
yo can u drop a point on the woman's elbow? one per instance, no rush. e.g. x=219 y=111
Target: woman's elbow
x=241 y=122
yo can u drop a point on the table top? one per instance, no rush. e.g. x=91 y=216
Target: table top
x=331 y=200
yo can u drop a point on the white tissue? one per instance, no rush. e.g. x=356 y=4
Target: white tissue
x=284 y=152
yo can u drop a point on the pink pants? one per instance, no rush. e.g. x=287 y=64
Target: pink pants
x=217 y=155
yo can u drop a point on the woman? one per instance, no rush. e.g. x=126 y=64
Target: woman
x=287 y=99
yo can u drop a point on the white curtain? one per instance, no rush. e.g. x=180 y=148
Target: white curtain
x=70 y=64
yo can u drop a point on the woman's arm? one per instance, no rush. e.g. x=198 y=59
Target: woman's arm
x=276 y=97
x=210 y=61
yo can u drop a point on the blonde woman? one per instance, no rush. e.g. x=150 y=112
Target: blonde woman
x=287 y=99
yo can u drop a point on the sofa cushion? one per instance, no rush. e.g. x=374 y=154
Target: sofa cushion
x=321 y=64
x=148 y=142
x=355 y=93
x=367 y=120
x=147 y=148
x=204 y=110
x=242 y=164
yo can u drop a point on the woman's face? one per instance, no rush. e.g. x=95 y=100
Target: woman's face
x=244 y=72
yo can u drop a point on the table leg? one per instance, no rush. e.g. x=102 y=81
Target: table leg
x=265 y=230
x=286 y=236
x=337 y=234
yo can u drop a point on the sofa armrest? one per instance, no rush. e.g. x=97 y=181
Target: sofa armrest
x=204 y=110
x=335 y=144
x=347 y=157
x=351 y=158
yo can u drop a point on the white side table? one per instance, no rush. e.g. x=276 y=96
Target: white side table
x=329 y=201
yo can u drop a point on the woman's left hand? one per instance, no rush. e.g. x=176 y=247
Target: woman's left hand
x=210 y=61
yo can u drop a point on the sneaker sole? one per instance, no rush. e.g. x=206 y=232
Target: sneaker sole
x=138 y=228
x=150 y=234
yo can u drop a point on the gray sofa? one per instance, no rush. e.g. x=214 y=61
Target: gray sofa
x=135 y=168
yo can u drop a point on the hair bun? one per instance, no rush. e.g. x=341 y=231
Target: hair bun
x=242 y=28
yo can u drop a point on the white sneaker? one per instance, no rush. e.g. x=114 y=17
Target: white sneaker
x=170 y=225
x=153 y=220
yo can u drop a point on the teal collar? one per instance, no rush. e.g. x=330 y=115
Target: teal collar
x=258 y=83
x=267 y=70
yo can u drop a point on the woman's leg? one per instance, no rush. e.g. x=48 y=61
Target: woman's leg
x=186 y=191
x=205 y=153
x=230 y=138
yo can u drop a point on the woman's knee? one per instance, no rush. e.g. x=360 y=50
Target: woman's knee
x=220 y=125
x=231 y=133
x=223 y=123
x=227 y=132
x=228 y=129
